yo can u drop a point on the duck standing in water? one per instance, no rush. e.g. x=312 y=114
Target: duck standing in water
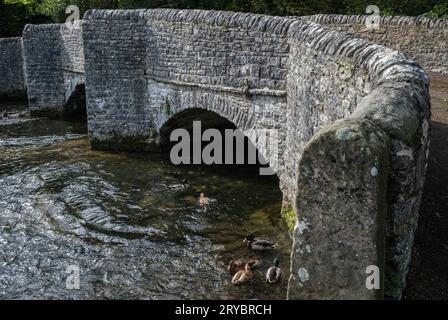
x=203 y=200
x=274 y=273
x=243 y=276
x=259 y=244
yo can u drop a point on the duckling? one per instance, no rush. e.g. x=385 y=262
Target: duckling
x=203 y=200
x=258 y=244
x=243 y=276
x=238 y=264
x=274 y=273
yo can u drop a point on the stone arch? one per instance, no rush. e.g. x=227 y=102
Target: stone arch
x=249 y=114
x=212 y=120
x=75 y=107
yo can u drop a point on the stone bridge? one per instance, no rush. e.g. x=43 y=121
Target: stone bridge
x=352 y=116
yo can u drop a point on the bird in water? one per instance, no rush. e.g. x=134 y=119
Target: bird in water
x=259 y=244
x=239 y=264
x=179 y=187
x=243 y=276
x=203 y=200
x=274 y=273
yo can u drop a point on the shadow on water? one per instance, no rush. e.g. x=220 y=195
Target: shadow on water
x=127 y=221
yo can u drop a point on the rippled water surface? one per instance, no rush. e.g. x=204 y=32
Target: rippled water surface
x=126 y=220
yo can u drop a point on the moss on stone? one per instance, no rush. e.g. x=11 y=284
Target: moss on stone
x=290 y=217
x=347 y=71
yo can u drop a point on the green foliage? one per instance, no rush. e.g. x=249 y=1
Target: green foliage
x=17 y=13
x=439 y=11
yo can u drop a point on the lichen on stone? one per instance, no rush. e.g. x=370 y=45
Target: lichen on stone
x=290 y=218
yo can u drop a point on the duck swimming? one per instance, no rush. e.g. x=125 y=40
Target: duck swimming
x=274 y=273
x=243 y=276
x=239 y=264
x=259 y=244
x=203 y=200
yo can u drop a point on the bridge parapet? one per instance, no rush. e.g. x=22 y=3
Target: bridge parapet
x=392 y=95
x=12 y=80
x=54 y=66
x=423 y=39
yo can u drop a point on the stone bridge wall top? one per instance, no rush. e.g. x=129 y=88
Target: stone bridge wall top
x=423 y=39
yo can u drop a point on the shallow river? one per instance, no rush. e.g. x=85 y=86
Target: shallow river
x=126 y=220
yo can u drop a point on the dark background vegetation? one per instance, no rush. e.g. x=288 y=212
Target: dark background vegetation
x=16 y=13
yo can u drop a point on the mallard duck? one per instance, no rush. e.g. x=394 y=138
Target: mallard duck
x=203 y=200
x=239 y=264
x=243 y=276
x=258 y=244
x=274 y=273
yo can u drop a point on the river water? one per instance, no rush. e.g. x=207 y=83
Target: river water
x=125 y=220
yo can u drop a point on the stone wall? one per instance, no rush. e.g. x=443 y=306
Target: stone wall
x=349 y=191
x=420 y=38
x=172 y=60
x=53 y=66
x=115 y=52
x=12 y=81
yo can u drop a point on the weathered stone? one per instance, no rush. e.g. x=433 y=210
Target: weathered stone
x=341 y=209
x=423 y=39
x=12 y=80
x=54 y=66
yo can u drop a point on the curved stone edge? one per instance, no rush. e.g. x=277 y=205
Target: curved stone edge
x=390 y=20
x=342 y=212
x=382 y=64
x=421 y=38
x=399 y=104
